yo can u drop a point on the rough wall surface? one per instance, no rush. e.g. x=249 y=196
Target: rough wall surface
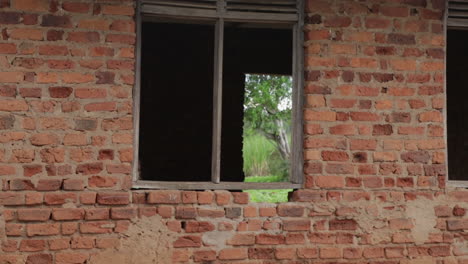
x=375 y=189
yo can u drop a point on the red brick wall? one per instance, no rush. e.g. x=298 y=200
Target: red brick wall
x=375 y=189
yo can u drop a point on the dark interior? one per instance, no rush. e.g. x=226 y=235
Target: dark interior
x=176 y=109
x=457 y=108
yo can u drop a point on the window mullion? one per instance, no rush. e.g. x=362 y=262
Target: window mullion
x=296 y=173
x=136 y=95
x=217 y=101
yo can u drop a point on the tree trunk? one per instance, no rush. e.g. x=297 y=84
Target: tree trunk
x=281 y=140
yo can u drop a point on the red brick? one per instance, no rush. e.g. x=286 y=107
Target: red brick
x=43 y=139
x=296 y=225
x=90 y=93
x=8 y=48
x=96 y=227
x=308 y=196
x=56 y=21
x=103 y=106
x=363 y=144
x=83 y=37
x=49 y=185
x=43 y=229
x=14 y=229
x=113 y=198
x=370 y=253
x=290 y=210
x=204 y=255
x=60 y=214
x=123 y=25
x=34 y=214
x=394 y=11
x=242 y=240
x=329 y=181
x=166 y=211
x=346 y=224
x=267 y=239
x=31 y=5
x=26 y=34
x=241 y=197
x=97 y=214
x=120 y=38
x=123 y=213
x=164 y=197
x=335 y=156
x=32 y=245
x=59 y=198
x=267 y=212
x=73 y=184
x=11 y=198
x=59 y=244
x=69 y=228
x=377 y=23
x=295 y=239
x=285 y=253
x=53 y=50
x=117 y=10
x=198 y=226
x=233 y=254
x=82 y=243
x=76 y=7
x=330 y=253
x=41 y=258
x=307 y=253
x=188 y=241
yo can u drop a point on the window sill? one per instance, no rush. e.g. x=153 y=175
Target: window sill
x=457 y=184
x=214 y=186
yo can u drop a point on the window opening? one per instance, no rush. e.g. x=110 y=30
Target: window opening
x=193 y=58
x=267 y=133
x=457 y=109
x=176 y=102
x=456 y=90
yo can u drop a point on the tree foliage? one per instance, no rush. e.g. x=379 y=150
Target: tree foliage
x=267 y=108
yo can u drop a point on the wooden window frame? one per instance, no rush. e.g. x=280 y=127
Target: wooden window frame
x=219 y=17
x=453 y=19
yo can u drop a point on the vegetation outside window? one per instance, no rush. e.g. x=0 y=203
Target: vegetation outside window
x=215 y=77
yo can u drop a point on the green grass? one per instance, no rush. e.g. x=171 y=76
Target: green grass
x=260 y=163
x=269 y=178
x=257 y=151
x=268 y=196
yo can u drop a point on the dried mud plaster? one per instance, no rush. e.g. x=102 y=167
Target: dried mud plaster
x=421 y=211
x=147 y=241
x=373 y=218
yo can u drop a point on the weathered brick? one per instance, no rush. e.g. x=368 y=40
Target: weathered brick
x=188 y=241
x=113 y=198
x=43 y=229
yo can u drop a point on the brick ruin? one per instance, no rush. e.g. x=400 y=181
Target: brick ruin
x=375 y=188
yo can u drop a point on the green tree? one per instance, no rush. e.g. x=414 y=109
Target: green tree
x=267 y=108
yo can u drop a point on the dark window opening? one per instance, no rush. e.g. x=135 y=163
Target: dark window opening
x=176 y=108
x=457 y=108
